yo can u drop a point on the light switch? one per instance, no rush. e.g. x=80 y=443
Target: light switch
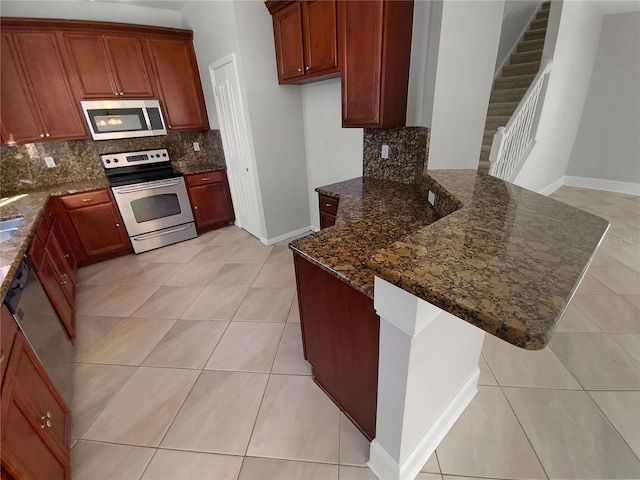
x=196 y=147
x=385 y=151
x=49 y=161
x=431 y=198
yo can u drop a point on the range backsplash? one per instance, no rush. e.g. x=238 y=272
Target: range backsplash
x=22 y=168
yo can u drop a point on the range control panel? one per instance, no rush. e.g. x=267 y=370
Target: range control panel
x=142 y=157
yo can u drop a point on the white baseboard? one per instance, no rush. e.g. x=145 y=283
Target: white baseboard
x=285 y=236
x=549 y=189
x=601 y=184
x=382 y=464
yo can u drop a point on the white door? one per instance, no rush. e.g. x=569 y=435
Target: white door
x=238 y=151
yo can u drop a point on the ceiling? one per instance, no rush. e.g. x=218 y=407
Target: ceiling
x=174 y=5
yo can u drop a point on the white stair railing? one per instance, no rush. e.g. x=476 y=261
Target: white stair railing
x=513 y=141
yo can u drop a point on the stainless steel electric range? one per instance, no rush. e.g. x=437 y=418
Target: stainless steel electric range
x=151 y=196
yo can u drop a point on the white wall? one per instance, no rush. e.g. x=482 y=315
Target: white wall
x=214 y=37
x=469 y=35
x=276 y=124
x=578 y=33
x=515 y=20
x=607 y=144
x=333 y=153
x=98 y=11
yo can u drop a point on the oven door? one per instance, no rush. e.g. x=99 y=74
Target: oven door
x=151 y=206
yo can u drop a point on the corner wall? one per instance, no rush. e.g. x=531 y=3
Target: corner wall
x=469 y=36
x=607 y=146
x=578 y=34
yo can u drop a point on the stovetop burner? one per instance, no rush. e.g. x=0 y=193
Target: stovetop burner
x=128 y=168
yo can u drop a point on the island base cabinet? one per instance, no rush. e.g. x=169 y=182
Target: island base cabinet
x=340 y=335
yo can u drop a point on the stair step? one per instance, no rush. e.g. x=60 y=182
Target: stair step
x=546 y=6
x=535 y=34
x=486 y=145
x=483 y=166
x=531 y=45
x=542 y=14
x=538 y=24
x=525 y=57
x=494 y=122
x=501 y=108
x=516 y=81
x=521 y=69
x=507 y=95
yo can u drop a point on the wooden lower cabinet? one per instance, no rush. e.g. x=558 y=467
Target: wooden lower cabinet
x=55 y=264
x=96 y=230
x=36 y=422
x=340 y=335
x=210 y=199
x=328 y=207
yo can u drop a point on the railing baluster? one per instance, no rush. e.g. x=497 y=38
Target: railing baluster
x=512 y=141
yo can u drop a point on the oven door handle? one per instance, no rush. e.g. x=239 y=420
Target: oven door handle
x=146 y=236
x=147 y=187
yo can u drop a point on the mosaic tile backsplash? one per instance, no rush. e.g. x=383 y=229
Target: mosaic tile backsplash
x=408 y=154
x=22 y=168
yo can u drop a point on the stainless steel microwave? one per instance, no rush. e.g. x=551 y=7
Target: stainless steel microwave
x=114 y=119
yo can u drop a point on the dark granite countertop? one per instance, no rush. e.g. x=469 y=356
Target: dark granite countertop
x=190 y=169
x=507 y=261
x=30 y=206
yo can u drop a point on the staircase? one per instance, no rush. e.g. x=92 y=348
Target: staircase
x=515 y=79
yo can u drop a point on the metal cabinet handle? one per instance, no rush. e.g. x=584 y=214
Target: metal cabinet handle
x=299 y=70
x=117 y=224
x=47 y=135
x=66 y=255
x=307 y=68
x=204 y=179
x=327 y=205
x=42 y=135
x=195 y=207
x=1 y=356
x=46 y=420
x=87 y=199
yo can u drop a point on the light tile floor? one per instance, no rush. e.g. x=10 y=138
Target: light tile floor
x=190 y=367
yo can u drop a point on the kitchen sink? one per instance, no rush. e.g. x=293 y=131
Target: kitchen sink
x=9 y=227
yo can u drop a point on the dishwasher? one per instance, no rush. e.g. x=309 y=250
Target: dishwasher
x=38 y=321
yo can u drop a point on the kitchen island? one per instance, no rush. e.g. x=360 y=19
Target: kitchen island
x=483 y=256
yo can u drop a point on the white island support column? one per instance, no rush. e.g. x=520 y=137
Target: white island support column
x=427 y=375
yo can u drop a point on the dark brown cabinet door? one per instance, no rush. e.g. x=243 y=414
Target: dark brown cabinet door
x=21 y=120
x=35 y=420
x=52 y=100
x=287 y=31
x=100 y=229
x=320 y=35
x=108 y=65
x=178 y=83
x=210 y=199
x=306 y=41
x=376 y=50
x=58 y=290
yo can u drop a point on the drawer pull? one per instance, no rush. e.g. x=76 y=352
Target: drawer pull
x=87 y=199
x=46 y=420
x=66 y=255
x=204 y=179
x=1 y=356
x=328 y=205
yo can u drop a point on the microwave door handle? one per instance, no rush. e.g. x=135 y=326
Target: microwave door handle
x=141 y=189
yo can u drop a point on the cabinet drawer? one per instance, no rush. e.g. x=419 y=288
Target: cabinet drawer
x=7 y=335
x=205 y=178
x=328 y=204
x=79 y=200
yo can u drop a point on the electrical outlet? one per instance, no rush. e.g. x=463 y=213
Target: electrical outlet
x=196 y=147
x=431 y=198
x=385 y=151
x=49 y=162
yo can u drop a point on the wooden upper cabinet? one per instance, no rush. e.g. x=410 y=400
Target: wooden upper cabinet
x=178 y=83
x=37 y=100
x=376 y=51
x=306 y=41
x=108 y=65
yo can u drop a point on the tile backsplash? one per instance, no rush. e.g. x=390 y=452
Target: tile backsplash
x=408 y=153
x=23 y=169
